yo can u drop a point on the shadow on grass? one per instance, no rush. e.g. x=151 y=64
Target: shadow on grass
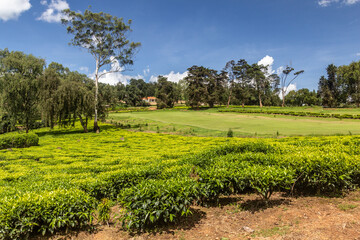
x=222 y=201
x=182 y=223
x=72 y=130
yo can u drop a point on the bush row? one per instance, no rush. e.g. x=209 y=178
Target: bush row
x=18 y=140
x=292 y=113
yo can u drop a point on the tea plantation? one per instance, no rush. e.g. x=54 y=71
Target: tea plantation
x=155 y=178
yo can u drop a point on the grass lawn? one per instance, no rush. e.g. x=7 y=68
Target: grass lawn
x=213 y=123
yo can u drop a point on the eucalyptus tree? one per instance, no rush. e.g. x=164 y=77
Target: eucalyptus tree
x=20 y=74
x=285 y=82
x=229 y=70
x=105 y=38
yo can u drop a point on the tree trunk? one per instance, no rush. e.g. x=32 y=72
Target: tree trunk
x=228 y=102
x=27 y=125
x=96 y=126
x=283 y=98
x=260 y=103
x=83 y=124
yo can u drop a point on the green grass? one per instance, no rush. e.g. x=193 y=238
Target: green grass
x=213 y=123
x=347 y=207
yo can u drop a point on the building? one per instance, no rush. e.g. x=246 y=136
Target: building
x=150 y=100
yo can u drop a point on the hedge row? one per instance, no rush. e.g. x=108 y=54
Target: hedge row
x=292 y=113
x=18 y=140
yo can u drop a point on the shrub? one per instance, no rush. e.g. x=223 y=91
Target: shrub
x=104 y=211
x=156 y=201
x=230 y=133
x=267 y=179
x=45 y=212
x=18 y=140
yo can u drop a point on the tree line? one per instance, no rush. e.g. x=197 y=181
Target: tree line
x=341 y=86
x=32 y=93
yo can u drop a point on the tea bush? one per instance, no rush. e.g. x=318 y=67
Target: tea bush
x=155 y=178
x=16 y=140
x=157 y=201
x=44 y=212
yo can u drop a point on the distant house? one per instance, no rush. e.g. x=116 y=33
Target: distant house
x=151 y=100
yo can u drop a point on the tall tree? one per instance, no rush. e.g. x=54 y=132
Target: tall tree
x=214 y=86
x=105 y=37
x=196 y=86
x=20 y=74
x=134 y=92
x=285 y=82
x=257 y=75
x=242 y=87
x=349 y=79
x=229 y=70
x=329 y=87
x=166 y=94
x=50 y=82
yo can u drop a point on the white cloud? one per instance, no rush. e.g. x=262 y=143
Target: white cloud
x=325 y=3
x=358 y=54
x=153 y=78
x=280 y=70
x=290 y=88
x=53 y=12
x=11 y=9
x=172 y=76
x=84 y=69
x=267 y=61
x=116 y=77
x=146 y=71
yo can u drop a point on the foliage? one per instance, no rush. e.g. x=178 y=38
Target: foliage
x=204 y=85
x=104 y=210
x=302 y=97
x=18 y=140
x=230 y=133
x=267 y=179
x=48 y=212
x=166 y=94
x=20 y=74
x=61 y=183
x=155 y=201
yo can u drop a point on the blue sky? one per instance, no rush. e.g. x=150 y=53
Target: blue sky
x=176 y=34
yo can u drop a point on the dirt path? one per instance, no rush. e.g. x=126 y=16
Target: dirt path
x=244 y=217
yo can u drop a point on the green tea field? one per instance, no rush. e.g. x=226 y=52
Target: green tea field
x=147 y=181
